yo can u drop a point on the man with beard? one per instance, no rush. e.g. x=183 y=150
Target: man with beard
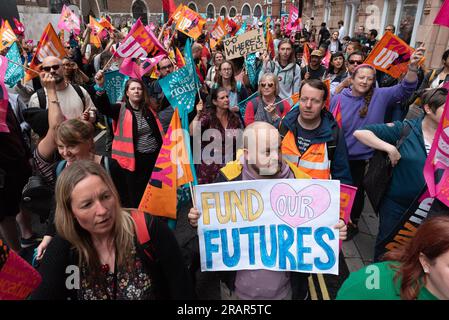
x=73 y=100
x=314 y=70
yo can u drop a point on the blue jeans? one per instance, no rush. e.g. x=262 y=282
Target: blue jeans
x=390 y=213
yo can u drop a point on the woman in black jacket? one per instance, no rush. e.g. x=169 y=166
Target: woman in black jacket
x=103 y=252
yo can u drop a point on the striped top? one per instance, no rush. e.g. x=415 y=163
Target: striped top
x=146 y=141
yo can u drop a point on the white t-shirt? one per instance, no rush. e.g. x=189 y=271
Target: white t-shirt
x=70 y=102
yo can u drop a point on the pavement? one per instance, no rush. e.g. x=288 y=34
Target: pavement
x=355 y=254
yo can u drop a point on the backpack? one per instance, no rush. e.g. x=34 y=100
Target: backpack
x=41 y=96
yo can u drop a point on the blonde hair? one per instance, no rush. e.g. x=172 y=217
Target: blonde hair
x=275 y=80
x=68 y=227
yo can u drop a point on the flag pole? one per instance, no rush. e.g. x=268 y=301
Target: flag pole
x=192 y=191
x=21 y=65
x=107 y=63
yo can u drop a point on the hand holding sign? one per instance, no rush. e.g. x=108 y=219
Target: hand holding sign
x=417 y=56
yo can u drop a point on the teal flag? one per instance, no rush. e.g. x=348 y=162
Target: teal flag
x=242 y=29
x=114 y=84
x=15 y=72
x=251 y=69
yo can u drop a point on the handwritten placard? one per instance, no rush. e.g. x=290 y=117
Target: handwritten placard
x=279 y=225
x=249 y=42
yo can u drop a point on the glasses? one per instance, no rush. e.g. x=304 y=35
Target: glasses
x=355 y=61
x=444 y=91
x=48 y=69
x=269 y=85
x=304 y=100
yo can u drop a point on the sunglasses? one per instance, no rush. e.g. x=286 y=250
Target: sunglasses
x=442 y=90
x=355 y=61
x=264 y=85
x=48 y=69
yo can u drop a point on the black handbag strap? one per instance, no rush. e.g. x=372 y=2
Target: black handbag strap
x=404 y=134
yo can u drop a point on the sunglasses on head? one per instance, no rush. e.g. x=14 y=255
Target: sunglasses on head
x=355 y=61
x=48 y=69
x=442 y=90
x=270 y=85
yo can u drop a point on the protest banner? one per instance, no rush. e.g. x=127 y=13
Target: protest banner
x=438 y=160
x=217 y=33
x=18 y=279
x=15 y=72
x=390 y=55
x=69 y=21
x=278 y=224
x=249 y=42
x=114 y=84
x=190 y=23
x=140 y=42
x=7 y=35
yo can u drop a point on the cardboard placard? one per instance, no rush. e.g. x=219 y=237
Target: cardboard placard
x=249 y=42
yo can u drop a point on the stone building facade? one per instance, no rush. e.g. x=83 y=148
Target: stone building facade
x=413 y=18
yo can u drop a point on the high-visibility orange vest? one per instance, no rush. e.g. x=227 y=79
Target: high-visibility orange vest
x=123 y=145
x=315 y=161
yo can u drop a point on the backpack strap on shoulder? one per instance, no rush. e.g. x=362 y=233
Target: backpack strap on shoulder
x=332 y=145
x=42 y=98
x=143 y=236
x=80 y=94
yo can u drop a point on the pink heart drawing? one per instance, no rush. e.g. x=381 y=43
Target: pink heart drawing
x=296 y=208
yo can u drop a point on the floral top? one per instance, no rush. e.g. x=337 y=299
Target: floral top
x=134 y=284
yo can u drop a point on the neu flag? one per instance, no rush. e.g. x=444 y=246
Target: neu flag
x=437 y=162
x=140 y=43
x=3 y=95
x=442 y=17
x=170 y=172
x=69 y=21
x=15 y=72
x=114 y=84
x=7 y=35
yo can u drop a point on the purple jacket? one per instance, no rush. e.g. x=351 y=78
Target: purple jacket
x=382 y=99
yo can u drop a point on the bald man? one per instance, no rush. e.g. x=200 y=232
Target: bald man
x=261 y=159
x=73 y=100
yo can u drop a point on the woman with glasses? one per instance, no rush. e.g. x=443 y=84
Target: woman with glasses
x=363 y=104
x=407 y=181
x=236 y=90
x=268 y=106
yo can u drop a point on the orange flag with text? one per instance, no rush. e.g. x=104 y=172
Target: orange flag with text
x=171 y=171
x=49 y=45
x=391 y=55
x=7 y=35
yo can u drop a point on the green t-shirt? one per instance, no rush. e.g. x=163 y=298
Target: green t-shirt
x=376 y=282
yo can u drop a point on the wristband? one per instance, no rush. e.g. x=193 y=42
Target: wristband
x=412 y=69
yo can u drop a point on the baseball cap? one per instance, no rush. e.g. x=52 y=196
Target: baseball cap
x=317 y=53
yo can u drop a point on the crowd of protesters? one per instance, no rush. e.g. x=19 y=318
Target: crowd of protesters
x=52 y=121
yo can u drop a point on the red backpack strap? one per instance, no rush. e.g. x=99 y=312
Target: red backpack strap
x=143 y=235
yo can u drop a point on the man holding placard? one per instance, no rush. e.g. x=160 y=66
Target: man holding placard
x=256 y=279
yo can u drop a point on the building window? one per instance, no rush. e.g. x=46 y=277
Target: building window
x=257 y=11
x=246 y=11
x=407 y=20
x=56 y=5
x=233 y=12
x=139 y=10
x=210 y=11
x=193 y=6
x=269 y=11
x=104 y=4
x=391 y=12
x=223 y=12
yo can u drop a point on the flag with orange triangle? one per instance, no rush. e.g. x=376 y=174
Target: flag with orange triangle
x=49 y=45
x=172 y=170
x=270 y=44
x=190 y=23
x=217 y=33
x=306 y=54
x=97 y=28
x=327 y=83
x=179 y=58
x=7 y=35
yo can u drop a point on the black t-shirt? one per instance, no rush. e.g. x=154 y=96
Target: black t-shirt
x=304 y=137
x=314 y=74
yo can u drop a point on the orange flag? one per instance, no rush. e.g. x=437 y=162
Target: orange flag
x=49 y=45
x=391 y=55
x=270 y=44
x=171 y=171
x=7 y=35
x=306 y=54
x=96 y=30
x=327 y=83
x=217 y=32
x=180 y=61
x=337 y=113
x=295 y=98
x=190 y=23
x=106 y=24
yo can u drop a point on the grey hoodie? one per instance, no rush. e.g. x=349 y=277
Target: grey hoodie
x=289 y=77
